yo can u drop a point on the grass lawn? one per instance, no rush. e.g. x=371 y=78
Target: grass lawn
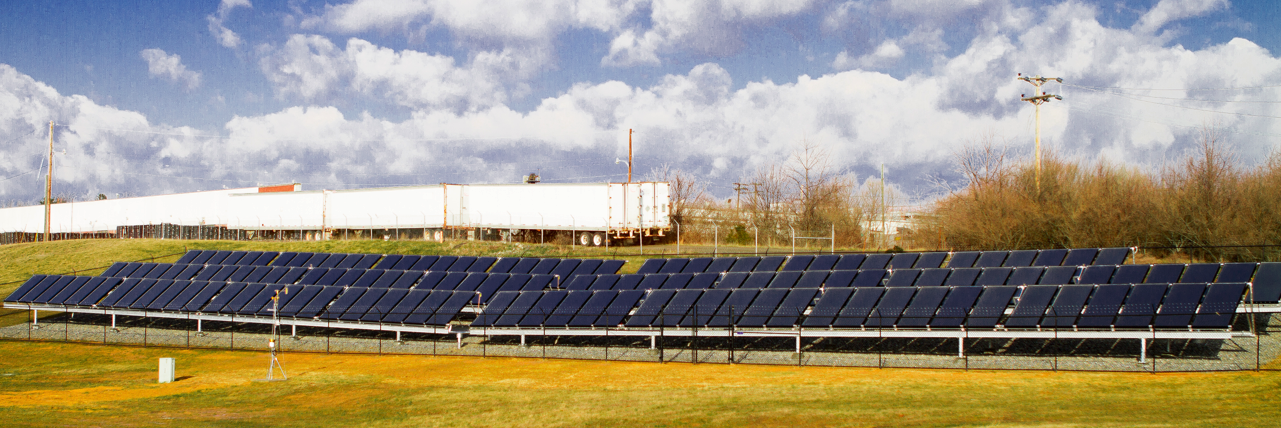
x=70 y=384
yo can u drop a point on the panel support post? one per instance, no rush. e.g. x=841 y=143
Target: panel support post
x=653 y=342
x=459 y=336
x=522 y=341
x=960 y=347
x=1143 y=349
x=35 y=318
x=199 y=324
x=798 y=344
x=397 y=336
x=113 y=321
x=293 y=332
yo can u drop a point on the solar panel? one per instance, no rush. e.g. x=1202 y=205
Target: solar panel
x=389 y=261
x=963 y=259
x=313 y=260
x=798 y=262
x=71 y=288
x=1236 y=272
x=1019 y=258
x=462 y=264
x=1179 y=305
x=1080 y=256
x=652 y=282
x=364 y=304
x=26 y=287
x=678 y=308
x=963 y=276
x=143 y=270
x=525 y=265
x=792 y=307
x=345 y=300
x=115 y=267
x=994 y=276
x=1097 y=274
x=565 y=268
x=1025 y=276
x=702 y=311
x=383 y=307
x=159 y=271
x=203 y=256
x=435 y=303
x=1141 y=305
x=1164 y=274
x=1112 y=256
x=875 y=261
x=568 y=307
x=1267 y=283
x=494 y=308
x=282 y=260
x=84 y=291
x=313 y=276
x=824 y=262
x=335 y=276
x=991 y=259
x=134 y=294
x=990 y=307
x=1031 y=305
x=262 y=300
x=449 y=282
x=605 y=282
x=1130 y=274
x=812 y=279
x=892 y=304
x=409 y=279
x=482 y=264
x=218 y=257
x=233 y=258
x=366 y=261
x=1067 y=305
x=870 y=278
x=673 y=266
x=1200 y=272
x=493 y=282
x=828 y=307
x=762 y=307
x=921 y=310
x=859 y=306
x=320 y=303
x=618 y=307
x=202 y=298
x=903 y=278
x=542 y=309
x=850 y=262
x=330 y=261
x=769 y=264
x=128 y=270
x=173 y=271
x=1051 y=257
x=153 y=292
x=109 y=300
x=544 y=266
x=520 y=307
x=251 y=258
x=932 y=277
x=423 y=263
x=730 y=280
x=959 y=301
x=343 y=261
x=930 y=260
x=904 y=260
x=581 y=282
x=703 y=281
x=179 y=302
x=610 y=267
x=472 y=281
x=744 y=264
x=186 y=257
x=1058 y=275
x=300 y=297
x=651 y=266
x=721 y=264
x=678 y=281
x=251 y=299
x=225 y=297
x=450 y=309
x=784 y=280
x=1103 y=305
x=593 y=309
x=504 y=265
x=1219 y=305
x=515 y=282
x=758 y=280
x=443 y=263
x=538 y=282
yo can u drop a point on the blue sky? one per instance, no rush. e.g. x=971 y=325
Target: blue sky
x=156 y=97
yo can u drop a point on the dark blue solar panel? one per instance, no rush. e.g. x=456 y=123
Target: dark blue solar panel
x=678 y=281
x=1080 y=256
x=260 y=303
x=545 y=266
x=990 y=259
x=204 y=297
x=379 y=278
x=921 y=310
x=525 y=265
x=1019 y=258
x=870 y=278
x=186 y=257
x=408 y=279
x=610 y=267
x=1179 y=305
x=698 y=265
x=652 y=281
x=491 y=285
x=405 y=306
x=389 y=261
x=703 y=280
x=312 y=277
x=251 y=299
x=1236 y=272
x=434 y=304
x=172 y=271
x=282 y=260
x=345 y=300
x=758 y=280
x=234 y=258
x=731 y=280
x=522 y=306
x=619 y=307
x=144 y=285
x=1200 y=272
x=159 y=271
x=990 y=306
x=299 y=297
x=109 y=300
x=84 y=291
x=203 y=256
x=26 y=287
x=994 y=276
x=903 y=278
x=769 y=264
x=364 y=304
x=366 y=261
x=798 y=262
x=593 y=308
x=1051 y=257
x=127 y=270
x=383 y=307
x=932 y=277
x=344 y=261
x=472 y=281
x=828 y=307
x=824 y=262
x=605 y=282
x=732 y=308
x=762 y=307
x=1112 y=256
x=930 y=260
x=1031 y=306
x=265 y=258
x=586 y=267
x=335 y=275
x=52 y=291
x=568 y=308
x=784 y=280
x=963 y=259
x=1067 y=306
x=792 y=307
x=1164 y=274
x=515 y=282
x=702 y=311
x=143 y=270
x=892 y=304
x=543 y=309
x=678 y=308
x=207 y=272
x=71 y=288
x=963 y=276
x=330 y=261
x=959 y=301
x=565 y=268
x=504 y=265
x=538 y=282
x=580 y=282
x=179 y=302
x=314 y=261
x=442 y=263
x=423 y=263
x=1058 y=275
x=494 y=308
x=218 y=257
x=673 y=266
x=1141 y=305
x=1130 y=274
x=859 y=306
x=153 y=292
x=1219 y=305
x=462 y=264
x=450 y=309
x=171 y=291
x=348 y=278
x=449 y=282
x=876 y=261
x=115 y=267
x=225 y=298
x=721 y=264
x=1025 y=276
x=904 y=260
x=482 y=264
x=812 y=279
x=1103 y=305
x=744 y=264
x=651 y=266
x=849 y=262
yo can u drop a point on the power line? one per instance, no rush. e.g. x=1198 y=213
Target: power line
x=1243 y=88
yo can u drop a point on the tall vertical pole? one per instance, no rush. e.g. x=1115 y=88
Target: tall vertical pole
x=629 y=155
x=1039 y=97
x=884 y=232
x=48 y=188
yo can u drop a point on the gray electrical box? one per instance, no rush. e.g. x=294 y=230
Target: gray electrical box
x=167 y=368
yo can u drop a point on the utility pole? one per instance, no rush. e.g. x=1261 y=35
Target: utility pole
x=48 y=188
x=885 y=233
x=1038 y=98
x=629 y=155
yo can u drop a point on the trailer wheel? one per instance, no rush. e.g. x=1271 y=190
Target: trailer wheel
x=598 y=239
x=585 y=239
x=439 y=236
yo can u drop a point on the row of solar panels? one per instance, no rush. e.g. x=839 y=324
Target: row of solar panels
x=531 y=265
x=1200 y=306
x=965 y=259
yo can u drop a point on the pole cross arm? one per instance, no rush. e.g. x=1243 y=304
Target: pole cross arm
x=1043 y=98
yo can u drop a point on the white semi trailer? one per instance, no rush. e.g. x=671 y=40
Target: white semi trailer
x=590 y=214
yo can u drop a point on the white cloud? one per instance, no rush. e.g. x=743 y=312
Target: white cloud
x=163 y=65
x=1173 y=10
x=885 y=55
x=711 y=27
x=225 y=36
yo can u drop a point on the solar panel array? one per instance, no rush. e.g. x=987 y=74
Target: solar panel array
x=965 y=259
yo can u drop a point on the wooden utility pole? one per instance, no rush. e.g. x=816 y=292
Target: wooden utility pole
x=629 y=155
x=1038 y=98
x=48 y=188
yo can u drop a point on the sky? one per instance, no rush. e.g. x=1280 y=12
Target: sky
x=154 y=97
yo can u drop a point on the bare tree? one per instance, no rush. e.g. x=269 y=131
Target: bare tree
x=685 y=190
